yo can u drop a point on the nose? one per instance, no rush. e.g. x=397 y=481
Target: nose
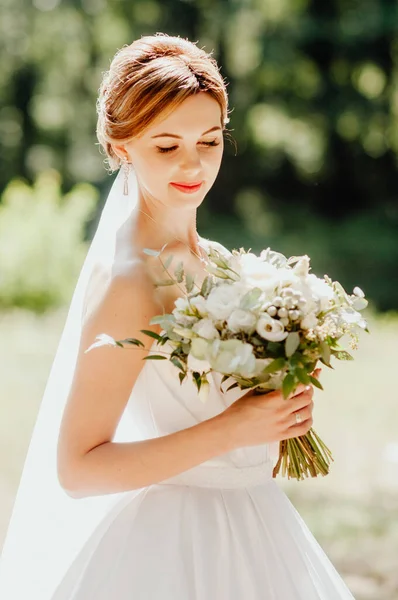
x=191 y=164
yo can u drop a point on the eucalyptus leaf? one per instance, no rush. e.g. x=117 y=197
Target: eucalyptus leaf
x=292 y=342
x=155 y=357
x=276 y=365
x=182 y=376
x=206 y=286
x=325 y=352
x=250 y=299
x=168 y=260
x=179 y=272
x=151 y=252
x=164 y=282
x=189 y=281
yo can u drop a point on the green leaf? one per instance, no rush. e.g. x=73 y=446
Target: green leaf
x=288 y=385
x=316 y=382
x=189 y=281
x=155 y=357
x=234 y=385
x=206 y=286
x=326 y=352
x=151 y=334
x=302 y=376
x=276 y=365
x=151 y=252
x=168 y=260
x=250 y=299
x=182 y=377
x=292 y=342
x=198 y=379
x=179 y=272
x=132 y=341
x=343 y=355
x=159 y=319
x=177 y=363
x=163 y=282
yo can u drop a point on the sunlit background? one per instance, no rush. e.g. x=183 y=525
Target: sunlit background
x=310 y=167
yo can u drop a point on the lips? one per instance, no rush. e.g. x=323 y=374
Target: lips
x=188 y=188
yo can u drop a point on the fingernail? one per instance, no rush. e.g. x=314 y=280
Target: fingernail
x=307 y=388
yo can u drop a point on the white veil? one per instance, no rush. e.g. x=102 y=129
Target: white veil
x=48 y=527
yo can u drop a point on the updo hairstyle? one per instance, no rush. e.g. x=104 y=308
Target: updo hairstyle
x=149 y=78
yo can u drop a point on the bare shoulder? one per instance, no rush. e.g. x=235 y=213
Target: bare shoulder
x=119 y=304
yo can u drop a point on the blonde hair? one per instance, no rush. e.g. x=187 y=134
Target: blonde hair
x=149 y=77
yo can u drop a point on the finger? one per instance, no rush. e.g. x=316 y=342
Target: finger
x=298 y=402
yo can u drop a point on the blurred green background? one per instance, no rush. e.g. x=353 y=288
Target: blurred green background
x=311 y=170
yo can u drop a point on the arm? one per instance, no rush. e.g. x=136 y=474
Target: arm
x=89 y=462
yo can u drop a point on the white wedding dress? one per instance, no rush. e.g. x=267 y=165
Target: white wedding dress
x=223 y=530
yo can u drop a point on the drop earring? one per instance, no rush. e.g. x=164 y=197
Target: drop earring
x=126 y=167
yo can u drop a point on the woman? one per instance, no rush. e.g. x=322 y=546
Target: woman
x=195 y=512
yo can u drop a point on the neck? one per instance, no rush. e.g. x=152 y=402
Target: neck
x=168 y=226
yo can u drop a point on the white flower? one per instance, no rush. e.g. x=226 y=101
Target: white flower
x=221 y=301
x=205 y=329
x=258 y=273
x=302 y=267
x=204 y=391
x=200 y=304
x=309 y=321
x=241 y=320
x=180 y=310
x=270 y=329
x=195 y=364
x=322 y=290
x=233 y=356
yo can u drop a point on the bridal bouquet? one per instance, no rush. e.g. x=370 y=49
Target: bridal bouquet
x=263 y=322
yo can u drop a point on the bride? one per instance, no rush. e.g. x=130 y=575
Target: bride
x=132 y=487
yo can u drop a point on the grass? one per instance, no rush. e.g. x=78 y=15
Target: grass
x=353 y=512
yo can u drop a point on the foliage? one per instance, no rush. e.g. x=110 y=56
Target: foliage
x=314 y=92
x=41 y=241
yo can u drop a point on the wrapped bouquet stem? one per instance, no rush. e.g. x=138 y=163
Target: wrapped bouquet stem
x=263 y=321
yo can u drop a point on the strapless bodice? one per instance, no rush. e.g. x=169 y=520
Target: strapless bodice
x=159 y=405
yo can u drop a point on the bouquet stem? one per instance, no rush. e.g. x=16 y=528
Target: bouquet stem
x=303 y=456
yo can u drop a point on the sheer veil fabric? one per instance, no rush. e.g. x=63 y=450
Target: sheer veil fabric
x=47 y=527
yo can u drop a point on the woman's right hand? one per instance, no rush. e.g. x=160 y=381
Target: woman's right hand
x=257 y=419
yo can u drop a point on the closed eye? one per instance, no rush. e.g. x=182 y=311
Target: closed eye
x=171 y=148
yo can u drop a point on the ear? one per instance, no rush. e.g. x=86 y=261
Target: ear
x=120 y=151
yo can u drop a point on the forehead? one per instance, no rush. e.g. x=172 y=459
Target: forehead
x=195 y=114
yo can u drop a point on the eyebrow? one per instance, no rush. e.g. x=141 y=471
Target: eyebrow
x=178 y=137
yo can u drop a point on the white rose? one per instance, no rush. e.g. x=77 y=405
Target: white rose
x=205 y=329
x=241 y=320
x=258 y=273
x=233 y=356
x=221 y=301
x=271 y=329
x=322 y=290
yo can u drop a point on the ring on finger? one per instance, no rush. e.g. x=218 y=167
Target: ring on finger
x=299 y=418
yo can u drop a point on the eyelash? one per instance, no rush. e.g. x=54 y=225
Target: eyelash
x=165 y=150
